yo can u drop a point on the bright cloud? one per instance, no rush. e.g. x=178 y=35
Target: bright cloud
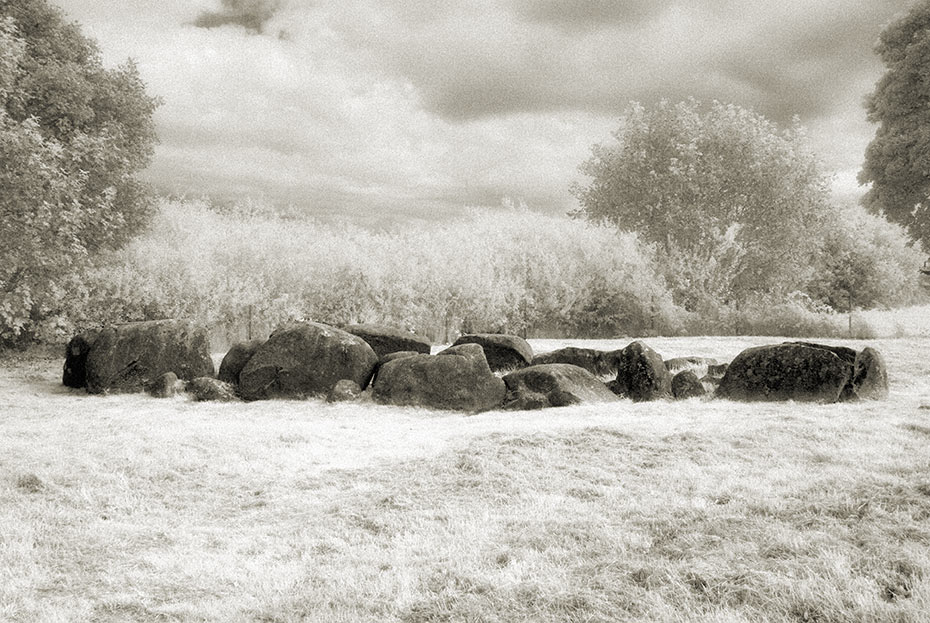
x=369 y=108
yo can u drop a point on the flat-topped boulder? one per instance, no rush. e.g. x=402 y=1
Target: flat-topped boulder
x=385 y=340
x=503 y=352
x=789 y=371
x=805 y=372
x=554 y=385
x=641 y=374
x=303 y=359
x=129 y=357
x=458 y=378
x=597 y=362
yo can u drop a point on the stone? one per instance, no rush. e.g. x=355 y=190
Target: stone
x=235 y=359
x=682 y=363
x=870 y=376
x=391 y=357
x=385 y=340
x=164 y=386
x=597 y=362
x=458 y=379
x=503 y=352
x=641 y=374
x=553 y=385
x=345 y=390
x=303 y=359
x=686 y=384
x=75 y=368
x=128 y=357
x=205 y=388
x=789 y=371
x=717 y=370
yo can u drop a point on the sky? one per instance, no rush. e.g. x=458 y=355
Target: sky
x=394 y=109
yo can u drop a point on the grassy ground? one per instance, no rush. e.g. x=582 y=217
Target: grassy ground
x=127 y=508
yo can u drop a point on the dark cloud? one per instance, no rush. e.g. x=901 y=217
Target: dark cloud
x=249 y=14
x=588 y=14
x=537 y=56
x=807 y=69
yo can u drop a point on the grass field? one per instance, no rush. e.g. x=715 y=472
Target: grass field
x=128 y=508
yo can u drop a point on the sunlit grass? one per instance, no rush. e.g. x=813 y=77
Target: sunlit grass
x=128 y=508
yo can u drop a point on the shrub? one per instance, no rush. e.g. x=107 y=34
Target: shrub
x=507 y=269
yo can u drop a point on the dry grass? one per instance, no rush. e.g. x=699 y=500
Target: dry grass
x=129 y=508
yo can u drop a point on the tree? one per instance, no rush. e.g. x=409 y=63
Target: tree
x=897 y=161
x=732 y=203
x=72 y=137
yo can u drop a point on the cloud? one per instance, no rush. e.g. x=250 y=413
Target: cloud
x=249 y=14
x=417 y=107
x=588 y=14
x=517 y=56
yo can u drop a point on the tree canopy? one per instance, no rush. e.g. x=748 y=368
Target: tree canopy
x=897 y=161
x=73 y=136
x=731 y=201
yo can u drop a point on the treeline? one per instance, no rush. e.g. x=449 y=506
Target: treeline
x=243 y=271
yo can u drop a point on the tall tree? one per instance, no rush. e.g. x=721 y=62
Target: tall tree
x=897 y=161
x=73 y=136
x=732 y=202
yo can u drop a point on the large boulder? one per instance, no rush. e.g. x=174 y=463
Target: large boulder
x=128 y=357
x=553 y=385
x=236 y=357
x=790 y=371
x=391 y=357
x=458 y=378
x=870 y=377
x=75 y=369
x=385 y=340
x=304 y=359
x=597 y=362
x=641 y=374
x=503 y=352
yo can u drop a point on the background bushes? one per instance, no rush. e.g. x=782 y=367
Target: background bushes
x=491 y=270
x=242 y=271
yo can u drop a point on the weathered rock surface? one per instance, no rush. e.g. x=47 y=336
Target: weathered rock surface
x=597 y=362
x=790 y=371
x=385 y=340
x=870 y=376
x=236 y=357
x=344 y=391
x=75 y=369
x=503 y=352
x=391 y=357
x=459 y=379
x=641 y=374
x=205 y=388
x=304 y=359
x=681 y=363
x=686 y=384
x=553 y=385
x=164 y=386
x=128 y=357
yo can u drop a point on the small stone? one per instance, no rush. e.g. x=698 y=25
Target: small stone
x=345 y=390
